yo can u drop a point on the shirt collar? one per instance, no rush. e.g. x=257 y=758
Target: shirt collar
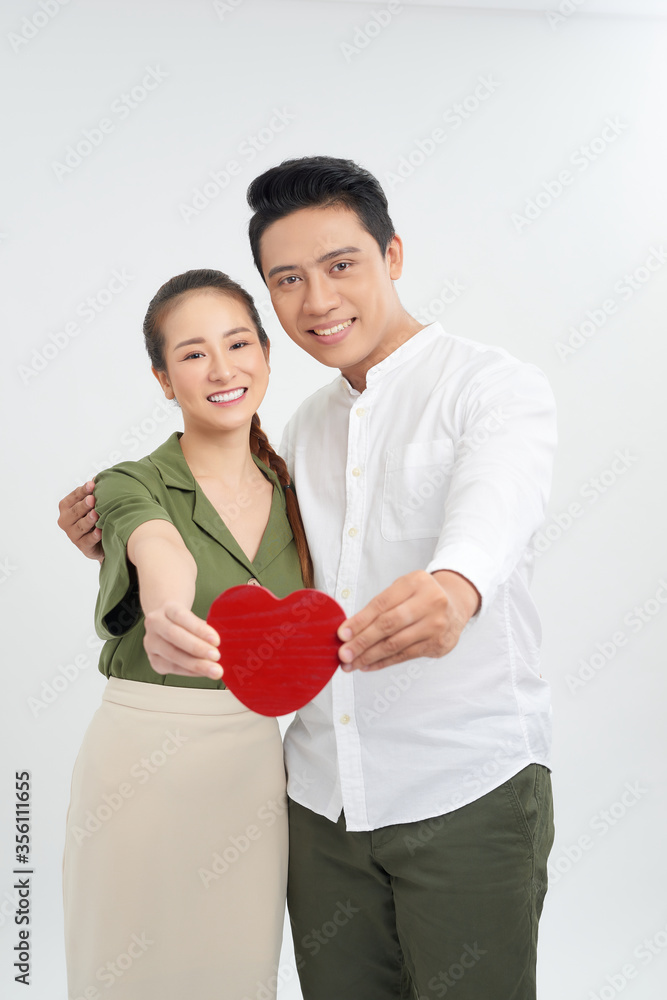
x=170 y=462
x=417 y=343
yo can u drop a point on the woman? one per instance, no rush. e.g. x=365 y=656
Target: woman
x=174 y=868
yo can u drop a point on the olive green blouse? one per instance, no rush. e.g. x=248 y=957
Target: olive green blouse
x=161 y=486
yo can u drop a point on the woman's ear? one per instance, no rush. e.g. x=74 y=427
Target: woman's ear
x=163 y=379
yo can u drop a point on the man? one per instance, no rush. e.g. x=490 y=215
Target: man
x=420 y=796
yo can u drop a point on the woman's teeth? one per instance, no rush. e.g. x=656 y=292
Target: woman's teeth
x=333 y=329
x=226 y=397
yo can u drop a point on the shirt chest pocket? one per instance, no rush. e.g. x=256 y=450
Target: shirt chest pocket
x=416 y=481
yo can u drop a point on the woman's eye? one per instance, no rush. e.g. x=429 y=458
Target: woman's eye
x=239 y=343
x=195 y=354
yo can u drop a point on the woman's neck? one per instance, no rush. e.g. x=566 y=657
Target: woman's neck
x=225 y=458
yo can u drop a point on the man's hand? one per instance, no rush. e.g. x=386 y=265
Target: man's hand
x=178 y=642
x=420 y=614
x=77 y=519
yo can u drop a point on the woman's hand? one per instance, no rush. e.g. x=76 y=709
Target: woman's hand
x=178 y=642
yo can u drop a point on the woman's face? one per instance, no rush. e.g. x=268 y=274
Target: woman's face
x=216 y=367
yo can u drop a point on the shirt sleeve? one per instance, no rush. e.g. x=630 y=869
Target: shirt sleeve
x=501 y=477
x=285 y=448
x=124 y=500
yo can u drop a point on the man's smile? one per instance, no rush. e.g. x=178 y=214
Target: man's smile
x=335 y=331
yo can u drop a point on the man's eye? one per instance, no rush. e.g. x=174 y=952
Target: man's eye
x=289 y=280
x=341 y=263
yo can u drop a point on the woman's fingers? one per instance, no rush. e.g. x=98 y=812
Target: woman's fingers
x=177 y=641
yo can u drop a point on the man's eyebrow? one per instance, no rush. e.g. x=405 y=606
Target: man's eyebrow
x=320 y=260
x=200 y=340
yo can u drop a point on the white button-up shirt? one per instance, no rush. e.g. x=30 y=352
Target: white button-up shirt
x=443 y=462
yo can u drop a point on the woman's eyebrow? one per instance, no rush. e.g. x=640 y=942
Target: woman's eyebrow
x=200 y=340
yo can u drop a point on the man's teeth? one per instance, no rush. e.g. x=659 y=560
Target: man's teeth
x=332 y=329
x=225 y=397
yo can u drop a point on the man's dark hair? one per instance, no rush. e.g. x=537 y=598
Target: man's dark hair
x=318 y=182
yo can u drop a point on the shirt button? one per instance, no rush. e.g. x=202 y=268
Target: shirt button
x=356 y=471
x=345 y=719
x=360 y=411
x=352 y=532
x=252 y=582
x=345 y=593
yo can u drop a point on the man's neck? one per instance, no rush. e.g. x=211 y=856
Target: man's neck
x=405 y=327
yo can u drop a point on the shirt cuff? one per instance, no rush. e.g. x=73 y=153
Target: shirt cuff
x=473 y=564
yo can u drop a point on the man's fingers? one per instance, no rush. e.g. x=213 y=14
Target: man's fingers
x=79 y=518
x=76 y=501
x=388 y=647
x=382 y=603
x=408 y=653
x=386 y=624
x=78 y=494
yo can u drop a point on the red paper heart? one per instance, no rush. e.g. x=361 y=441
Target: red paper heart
x=276 y=655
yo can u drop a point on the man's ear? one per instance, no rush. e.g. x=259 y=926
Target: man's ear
x=163 y=379
x=394 y=257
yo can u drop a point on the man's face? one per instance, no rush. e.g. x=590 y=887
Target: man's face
x=331 y=287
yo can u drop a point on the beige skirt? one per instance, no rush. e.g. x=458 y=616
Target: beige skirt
x=175 y=862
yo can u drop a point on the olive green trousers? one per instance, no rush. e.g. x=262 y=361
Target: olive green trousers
x=444 y=907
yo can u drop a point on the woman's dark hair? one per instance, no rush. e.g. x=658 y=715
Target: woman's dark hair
x=317 y=182
x=160 y=305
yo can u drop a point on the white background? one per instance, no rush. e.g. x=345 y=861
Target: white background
x=370 y=94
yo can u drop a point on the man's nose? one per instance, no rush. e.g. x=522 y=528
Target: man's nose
x=321 y=296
